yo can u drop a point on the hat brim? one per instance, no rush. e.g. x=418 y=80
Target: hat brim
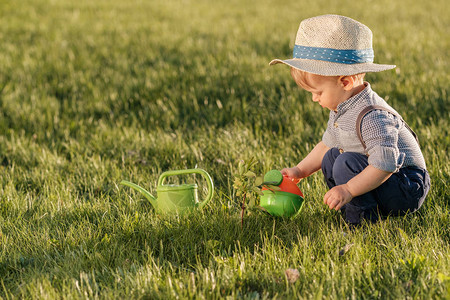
x=326 y=68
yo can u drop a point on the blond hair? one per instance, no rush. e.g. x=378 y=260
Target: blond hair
x=303 y=78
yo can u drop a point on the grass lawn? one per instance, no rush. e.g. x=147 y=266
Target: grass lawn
x=94 y=92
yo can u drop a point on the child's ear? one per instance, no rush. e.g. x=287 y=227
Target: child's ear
x=346 y=82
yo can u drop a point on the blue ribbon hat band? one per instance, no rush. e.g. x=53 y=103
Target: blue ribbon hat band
x=334 y=55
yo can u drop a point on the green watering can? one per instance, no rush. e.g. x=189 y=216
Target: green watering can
x=174 y=198
x=287 y=201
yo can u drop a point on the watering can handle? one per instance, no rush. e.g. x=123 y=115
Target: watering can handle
x=202 y=172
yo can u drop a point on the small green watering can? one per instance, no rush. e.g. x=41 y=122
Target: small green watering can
x=176 y=198
x=287 y=201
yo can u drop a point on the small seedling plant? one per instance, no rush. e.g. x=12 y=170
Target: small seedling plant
x=248 y=186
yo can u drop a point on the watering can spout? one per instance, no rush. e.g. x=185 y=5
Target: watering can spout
x=143 y=191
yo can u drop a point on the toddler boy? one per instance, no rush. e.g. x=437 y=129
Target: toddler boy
x=369 y=156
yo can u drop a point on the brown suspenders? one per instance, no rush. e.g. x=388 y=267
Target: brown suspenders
x=373 y=107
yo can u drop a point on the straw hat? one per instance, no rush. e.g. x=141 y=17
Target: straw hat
x=333 y=45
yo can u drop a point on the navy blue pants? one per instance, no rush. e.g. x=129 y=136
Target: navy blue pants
x=404 y=192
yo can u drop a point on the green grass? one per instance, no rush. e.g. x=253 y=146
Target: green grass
x=93 y=92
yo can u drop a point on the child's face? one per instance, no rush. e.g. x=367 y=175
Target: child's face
x=326 y=90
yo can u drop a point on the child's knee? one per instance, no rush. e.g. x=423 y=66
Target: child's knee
x=329 y=158
x=346 y=166
x=344 y=162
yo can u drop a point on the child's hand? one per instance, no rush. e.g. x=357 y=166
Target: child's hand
x=292 y=173
x=337 y=197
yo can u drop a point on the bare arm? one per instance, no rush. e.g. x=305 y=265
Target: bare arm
x=310 y=164
x=370 y=178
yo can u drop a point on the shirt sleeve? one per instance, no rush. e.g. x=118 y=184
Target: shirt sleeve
x=380 y=130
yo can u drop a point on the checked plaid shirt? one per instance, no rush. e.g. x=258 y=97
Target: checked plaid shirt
x=390 y=145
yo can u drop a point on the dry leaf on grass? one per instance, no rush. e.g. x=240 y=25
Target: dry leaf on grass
x=345 y=249
x=292 y=275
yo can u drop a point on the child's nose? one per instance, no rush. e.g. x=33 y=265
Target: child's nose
x=315 y=98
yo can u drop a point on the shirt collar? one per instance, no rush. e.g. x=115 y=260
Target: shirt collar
x=350 y=102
